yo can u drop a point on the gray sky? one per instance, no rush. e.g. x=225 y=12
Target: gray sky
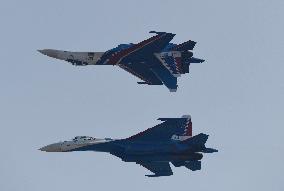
x=236 y=96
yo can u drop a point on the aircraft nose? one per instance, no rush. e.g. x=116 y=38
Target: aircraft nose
x=49 y=52
x=51 y=148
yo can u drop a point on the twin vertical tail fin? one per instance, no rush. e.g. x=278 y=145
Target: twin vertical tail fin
x=184 y=130
x=188 y=126
x=177 y=58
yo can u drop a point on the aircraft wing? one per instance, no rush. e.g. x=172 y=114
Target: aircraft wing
x=151 y=76
x=140 y=60
x=143 y=72
x=166 y=77
x=143 y=50
x=158 y=168
x=171 y=128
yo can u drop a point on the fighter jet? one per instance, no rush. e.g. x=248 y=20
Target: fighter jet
x=155 y=61
x=168 y=142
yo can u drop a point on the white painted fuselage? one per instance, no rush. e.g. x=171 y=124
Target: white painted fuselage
x=76 y=143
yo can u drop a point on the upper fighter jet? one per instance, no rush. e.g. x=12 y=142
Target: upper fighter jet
x=155 y=61
x=170 y=141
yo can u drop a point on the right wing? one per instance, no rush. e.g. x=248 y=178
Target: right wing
x=158 y=168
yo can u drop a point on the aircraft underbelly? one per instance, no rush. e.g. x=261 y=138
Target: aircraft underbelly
x=162 y=157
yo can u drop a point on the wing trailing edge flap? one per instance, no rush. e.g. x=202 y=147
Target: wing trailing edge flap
x=142 y=73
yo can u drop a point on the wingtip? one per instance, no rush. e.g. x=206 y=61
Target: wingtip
x=173 y=90
x=169 y=118
x=155 y=32
x=186 y=116
x=159 y=33
x=157 y=175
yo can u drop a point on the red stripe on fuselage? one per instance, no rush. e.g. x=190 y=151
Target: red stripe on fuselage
x=189 y=129
x=118 y=56
x=178 y=64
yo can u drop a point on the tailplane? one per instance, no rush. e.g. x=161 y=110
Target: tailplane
x=192 y=165
x=188 y=45
x=197 y=143
x=199 y=139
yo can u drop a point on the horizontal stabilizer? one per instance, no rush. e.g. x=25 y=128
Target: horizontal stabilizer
x=195 y=60
x=199 y=139
x=188 y=45
x=209 y=150
x=193 y=165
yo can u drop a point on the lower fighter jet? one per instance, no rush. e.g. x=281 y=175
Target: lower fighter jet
x=170 y=141
x=155 y=61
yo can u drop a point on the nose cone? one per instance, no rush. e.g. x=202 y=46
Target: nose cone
x=51 y=148
x=49 y=52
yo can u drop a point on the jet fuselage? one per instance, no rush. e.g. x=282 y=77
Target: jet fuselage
x=155 y=60
x=128 y=151
x=168 y=142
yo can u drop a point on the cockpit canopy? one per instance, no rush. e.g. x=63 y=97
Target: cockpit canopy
x=77 y=138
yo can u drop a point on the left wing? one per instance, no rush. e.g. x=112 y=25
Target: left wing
x=158 y=168
x=166 y=77
x=151 y=76
x=170 y=129
x=143 y=72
